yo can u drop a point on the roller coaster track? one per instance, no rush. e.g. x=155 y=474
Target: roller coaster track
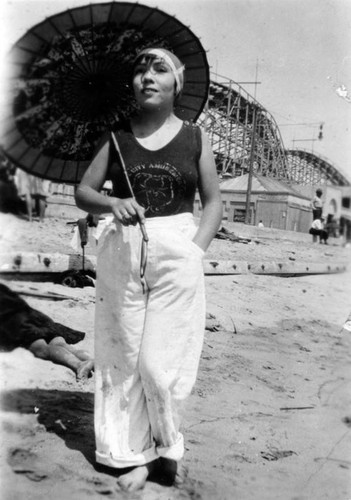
x=307 y=168
x=242 y=133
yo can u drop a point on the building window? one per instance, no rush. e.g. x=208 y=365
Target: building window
x=346 y=202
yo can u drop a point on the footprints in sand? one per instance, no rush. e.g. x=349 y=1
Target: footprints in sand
x=26 y=462
x=103 y=487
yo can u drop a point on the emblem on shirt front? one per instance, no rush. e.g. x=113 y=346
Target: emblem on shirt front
x=159 y=188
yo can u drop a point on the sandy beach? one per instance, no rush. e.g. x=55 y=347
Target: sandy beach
x=269 y=417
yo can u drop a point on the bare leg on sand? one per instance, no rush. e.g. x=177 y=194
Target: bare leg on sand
x=61 y=353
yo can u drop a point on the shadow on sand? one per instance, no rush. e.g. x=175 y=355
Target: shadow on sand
x=69 y=414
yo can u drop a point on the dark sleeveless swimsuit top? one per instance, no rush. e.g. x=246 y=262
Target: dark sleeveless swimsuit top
x=164 y=181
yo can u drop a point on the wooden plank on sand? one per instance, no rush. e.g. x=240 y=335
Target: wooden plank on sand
x=213 y=266
x=296 y=268
x=217 y=267
x=30 y=262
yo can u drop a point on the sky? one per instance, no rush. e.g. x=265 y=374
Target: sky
x=299 y=51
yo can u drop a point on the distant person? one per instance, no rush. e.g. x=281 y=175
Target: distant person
x=317 y=230
x=332 y=226
x=22 y=181
x=34 y=191
x=260 y=224
x=317 y=205
x=23 y=326
x=40 y=190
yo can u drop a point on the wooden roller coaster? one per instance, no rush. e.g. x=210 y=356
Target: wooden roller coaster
x=243 y=133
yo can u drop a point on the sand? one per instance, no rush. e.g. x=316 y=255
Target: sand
x=269 y=417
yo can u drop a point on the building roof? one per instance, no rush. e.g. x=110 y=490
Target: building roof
x=260 y=184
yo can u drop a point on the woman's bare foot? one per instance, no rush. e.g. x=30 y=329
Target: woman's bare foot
x=136 y=478
x=84 y=369
x=172 y=472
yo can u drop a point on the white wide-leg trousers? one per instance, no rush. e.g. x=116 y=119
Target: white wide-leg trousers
x=147 y=345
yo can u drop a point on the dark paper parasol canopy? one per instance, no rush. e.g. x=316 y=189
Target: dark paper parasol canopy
x=68 y=81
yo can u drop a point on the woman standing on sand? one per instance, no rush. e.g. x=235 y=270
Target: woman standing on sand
x=150 y=309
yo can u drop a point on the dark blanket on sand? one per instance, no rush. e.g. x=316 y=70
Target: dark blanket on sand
x=21 y=325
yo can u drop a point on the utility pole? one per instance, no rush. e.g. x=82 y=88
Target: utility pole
x=249 y=180
x=227 y=129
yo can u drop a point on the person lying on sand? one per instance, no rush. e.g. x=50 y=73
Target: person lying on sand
x=23 y=326
x=61 y=353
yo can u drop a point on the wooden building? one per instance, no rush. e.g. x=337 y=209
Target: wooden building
x=273 y=202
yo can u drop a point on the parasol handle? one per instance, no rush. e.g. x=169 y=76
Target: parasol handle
x=141 y=224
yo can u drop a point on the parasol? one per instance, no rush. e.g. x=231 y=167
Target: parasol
x=68 y=82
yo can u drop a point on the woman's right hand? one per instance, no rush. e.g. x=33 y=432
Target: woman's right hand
x=127 y=211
